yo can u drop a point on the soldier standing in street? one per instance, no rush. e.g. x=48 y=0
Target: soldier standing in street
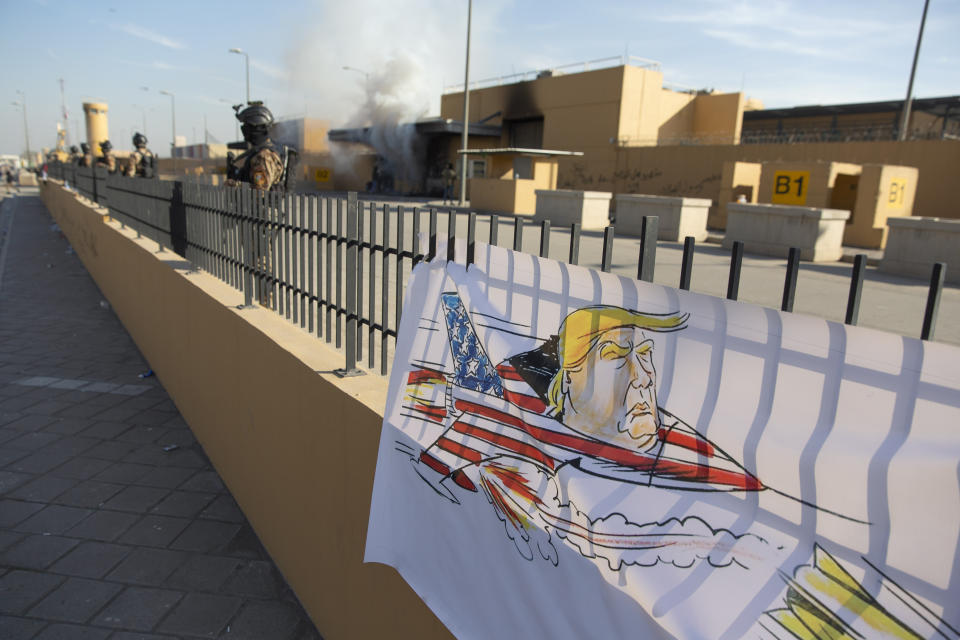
x=141 y=162
x=107 y=160
x=262 y=164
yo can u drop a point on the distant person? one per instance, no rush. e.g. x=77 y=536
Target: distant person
x=86 y=160
x=449 y=179
x=107 y=160
x=75 y=154
x=141 y=163
x=265 y=164
x=11 y=182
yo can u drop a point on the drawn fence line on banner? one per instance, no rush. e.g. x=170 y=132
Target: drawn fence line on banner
x=337 y=267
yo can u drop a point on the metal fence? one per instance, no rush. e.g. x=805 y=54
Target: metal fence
x=336 y=266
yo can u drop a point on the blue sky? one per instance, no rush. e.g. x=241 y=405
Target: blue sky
x=784 y=52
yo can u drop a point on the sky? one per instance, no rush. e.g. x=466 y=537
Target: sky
x=782 y=52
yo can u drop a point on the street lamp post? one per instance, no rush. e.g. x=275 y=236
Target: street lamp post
x=235 y=121
x=26 y=130
x=366 y=76
x=905 y=114
x=247 y=58
x=143 y=110
x=466 y=112
x=173 y=124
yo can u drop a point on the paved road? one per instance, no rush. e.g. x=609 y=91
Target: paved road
x=103 y=532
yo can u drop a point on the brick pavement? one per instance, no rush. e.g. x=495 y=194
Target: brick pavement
x=113 y=523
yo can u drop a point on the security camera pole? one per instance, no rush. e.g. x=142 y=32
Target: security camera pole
x=466 y=111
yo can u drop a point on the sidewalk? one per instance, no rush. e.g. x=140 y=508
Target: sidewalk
x=113 y=523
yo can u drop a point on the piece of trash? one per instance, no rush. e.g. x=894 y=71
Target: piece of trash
x=104 y=304
x=49 y=266
x=170 y=447
x=69 y=251
x=54 y=227
x=146 y=374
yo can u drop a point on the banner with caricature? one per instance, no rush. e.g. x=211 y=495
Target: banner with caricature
x=573 y=454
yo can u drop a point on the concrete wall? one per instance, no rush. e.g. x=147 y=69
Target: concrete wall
x=296 y=446
x=695 y=171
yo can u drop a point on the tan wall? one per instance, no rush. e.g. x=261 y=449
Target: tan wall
x=821 y=178
x=677 y=115
x=296 y=446
x=718 y=118
x=884 y=191
x=640 y=117
x=736 y=179
x=695 y=171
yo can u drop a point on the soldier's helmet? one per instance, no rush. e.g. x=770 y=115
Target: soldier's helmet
x=256 y=119
x=139 y=140
x=106 y=146
x=85 y=147
x=74 y=149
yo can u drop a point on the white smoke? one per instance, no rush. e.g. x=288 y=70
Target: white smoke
x=401 y=55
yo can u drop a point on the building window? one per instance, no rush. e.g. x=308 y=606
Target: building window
x=477 y=168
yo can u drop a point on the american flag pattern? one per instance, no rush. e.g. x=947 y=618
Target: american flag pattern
x=491 y=411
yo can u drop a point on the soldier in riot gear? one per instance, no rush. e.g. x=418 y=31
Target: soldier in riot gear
x=141 y=163
x=265 y=164
x=107 y=160
x=75 y=155
x=86 y=158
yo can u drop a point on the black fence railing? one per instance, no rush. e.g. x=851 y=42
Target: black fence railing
x=336 y=266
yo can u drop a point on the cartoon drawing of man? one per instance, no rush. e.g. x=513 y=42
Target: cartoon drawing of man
x=606 y=385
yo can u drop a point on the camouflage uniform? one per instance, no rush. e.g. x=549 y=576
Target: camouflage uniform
x=262 y=167
x=107 y=160
x=139 y=164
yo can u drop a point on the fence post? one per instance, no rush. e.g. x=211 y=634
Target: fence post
x=353 y=240
x=178 y=221
x=856 y=287
x=686 y=265
x=649 y=230
x=607 y=259
x=246 y=243
x=790 y=283
x=736 y=262
x=937 y=277
x=574 y=257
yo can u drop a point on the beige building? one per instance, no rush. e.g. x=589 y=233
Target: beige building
x=638 y=136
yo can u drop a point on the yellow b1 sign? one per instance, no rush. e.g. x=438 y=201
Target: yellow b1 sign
x=897 y=193
x=790 y=187
x=322 y=174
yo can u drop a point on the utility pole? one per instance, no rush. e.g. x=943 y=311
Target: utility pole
x=905 y=119
x=173 y=124
x=66 y=118
x=26 y=130
x=466 y=112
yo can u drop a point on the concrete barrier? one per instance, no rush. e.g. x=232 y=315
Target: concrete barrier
x=591 y=209
x=914 y=244
x=679 y=217
x=296 y=445
x=771 y=229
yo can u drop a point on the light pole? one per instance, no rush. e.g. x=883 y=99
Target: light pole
x=143 y=110
x=905 y=119
x=26 y=130
x=366 y=76
x=236 y=128
x=247 y=58
x=173 y=124
x=466 y=112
